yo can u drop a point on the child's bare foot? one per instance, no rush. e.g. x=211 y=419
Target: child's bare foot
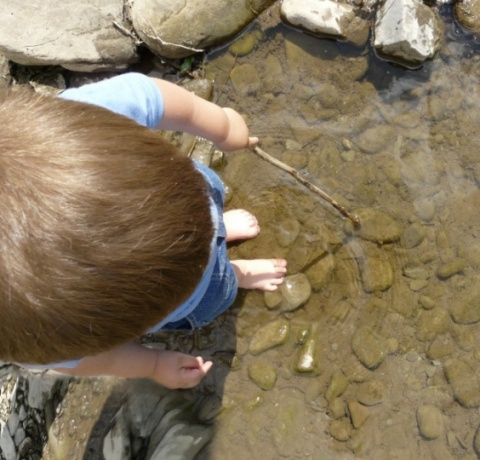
x=264 y=274
x=240 y=225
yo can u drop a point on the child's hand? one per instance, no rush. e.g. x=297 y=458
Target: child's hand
x=237 y=136
x=178 y=370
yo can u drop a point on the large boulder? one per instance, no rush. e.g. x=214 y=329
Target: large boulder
x=179 y=28
x=82 y=35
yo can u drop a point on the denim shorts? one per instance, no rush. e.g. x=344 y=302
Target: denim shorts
x=223 y=286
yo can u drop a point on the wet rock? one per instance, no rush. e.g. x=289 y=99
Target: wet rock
x=358 y=413
x=430 y=421
x=449 y=269
x=414 y=234
x=467 y=13
x=269 y=336
x=320 y=272
x=377 y=226
x=376 y=139
x=295 y=292
x=370 y=348
x=308 y=356
x=432 y=323
x=464 y=382
x=326 y=17
x=338 y=384
x=340 y=430
x=371 y=393
x=263 y=374
x=407 y=31
x=85 y=41
x=245 y=79
x=377 y=274
x=161 y=25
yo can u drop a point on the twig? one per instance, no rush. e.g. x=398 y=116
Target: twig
x=265 y=156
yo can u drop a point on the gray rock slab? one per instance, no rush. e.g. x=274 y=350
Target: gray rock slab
x=407 y=30
x=79 y=35
x=179 y=28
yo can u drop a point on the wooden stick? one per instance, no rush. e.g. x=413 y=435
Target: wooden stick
x=265 y=156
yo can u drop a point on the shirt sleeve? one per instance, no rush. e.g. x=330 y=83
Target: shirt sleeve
x=133 y=95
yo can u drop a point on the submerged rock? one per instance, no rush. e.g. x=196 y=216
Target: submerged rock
x=377 y=226
x=263 y=374
x=308 y=357
x=377 y=274
x=430 y=421
x=465 y=308
x=464 y=382
x=295 y=292
x=371 y=393
x=269 y=336
x=370 y=348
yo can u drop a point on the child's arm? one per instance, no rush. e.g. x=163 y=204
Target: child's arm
x=169 y=368
x=184 y=111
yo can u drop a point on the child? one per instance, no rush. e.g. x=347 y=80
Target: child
x=108 y=232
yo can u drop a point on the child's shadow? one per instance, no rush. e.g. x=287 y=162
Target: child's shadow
x=179 y=424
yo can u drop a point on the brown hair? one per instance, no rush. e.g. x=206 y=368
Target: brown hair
x=104 y=228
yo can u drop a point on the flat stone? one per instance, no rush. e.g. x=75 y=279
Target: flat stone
x=295 y=291
x=84 y=41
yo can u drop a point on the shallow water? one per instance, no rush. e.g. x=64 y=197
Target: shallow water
x=394 y=323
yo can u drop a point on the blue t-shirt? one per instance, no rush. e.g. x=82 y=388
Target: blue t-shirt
x=137 y=97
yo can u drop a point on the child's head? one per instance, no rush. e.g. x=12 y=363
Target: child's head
x=104 y=229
